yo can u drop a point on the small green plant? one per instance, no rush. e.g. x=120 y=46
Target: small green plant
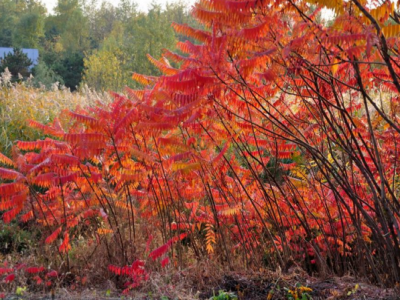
x=224 y=296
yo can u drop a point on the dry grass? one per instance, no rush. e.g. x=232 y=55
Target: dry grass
x=20 y=103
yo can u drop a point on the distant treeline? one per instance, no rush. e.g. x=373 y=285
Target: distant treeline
x=91 y=42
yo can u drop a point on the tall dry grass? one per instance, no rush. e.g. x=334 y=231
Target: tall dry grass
x=21 y=102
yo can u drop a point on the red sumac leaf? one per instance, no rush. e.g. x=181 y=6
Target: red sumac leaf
x=159 y=251
x=51 y=238
x=5 y=270
x=9 y=278
x=165 y=262
x=51 y=274
x=34 y=270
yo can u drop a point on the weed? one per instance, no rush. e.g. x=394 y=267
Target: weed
x=300 y=292
x=224 y=296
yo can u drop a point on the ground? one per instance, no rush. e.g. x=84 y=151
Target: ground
x=256 y=286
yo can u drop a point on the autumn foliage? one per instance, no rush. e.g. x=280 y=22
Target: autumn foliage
x=276 y=140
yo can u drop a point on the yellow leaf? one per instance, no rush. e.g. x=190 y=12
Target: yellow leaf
x=230 y=211
x=104 y=231
x=335 y=66
x=391 y=30
x=186 y=167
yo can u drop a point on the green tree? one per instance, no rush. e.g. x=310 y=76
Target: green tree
x=104 y=70
x=67 y=38
x=21 y=23
x=126 y=10
x=147 y=34
x=7 y=22
x=69 y=26
x=43 y=75
x=67 y=65
x=179 y=12
x=102 y=22
x=70 y=68
x=30 y=26
x=125 y=47
x=17 y=63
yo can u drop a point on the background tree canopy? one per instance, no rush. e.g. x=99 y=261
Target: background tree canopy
x=89 y=42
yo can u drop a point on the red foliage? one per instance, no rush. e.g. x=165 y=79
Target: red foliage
x=136 y=274
x=34 y=270
x=268 y=141
x=5 y=270
x=9 y=278
x=165 y=262
x=156 y=253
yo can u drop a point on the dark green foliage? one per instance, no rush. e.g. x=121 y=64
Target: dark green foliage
x=14 y=237
x=21 y=23
x=222 y=295
x=45 y=76
x=70 y=68
x=17 y=63
x=65 y=65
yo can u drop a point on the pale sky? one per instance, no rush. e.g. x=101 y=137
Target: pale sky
x=143 y=5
